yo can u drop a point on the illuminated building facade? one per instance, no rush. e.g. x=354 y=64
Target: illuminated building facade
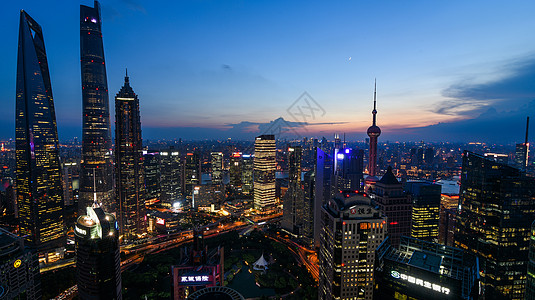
x=395 y=205
x=349 y=172
x=309 y=201
x=449 y=204
x=70 y=176
x=129 y=172
x=192 y=173
x=19 y=269
x=497 y=208
x=217 y=167
x=97 y=167
x=293 y=204
x=38 y=181
x=207 y=197
x=425 y=198
x=420 y=269
x=151 y=163
x=530 y=281
x=497 y=157
x=235 y=170
x=171 y=175
x=265 y=164
x=202 y=269
x=98 y=269
x=247 y=174
x=353 y=228
x=521 y=155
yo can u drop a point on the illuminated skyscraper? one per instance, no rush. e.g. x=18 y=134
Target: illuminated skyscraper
x=217 y=167
x=38 y=182
x=192 y=173
x=151 y=163
x=353 y=228
x=265 y=164
x=317 y=189
x=129 y=163
x=425 y=198
x=522 y=151
x=373 y=132
x=98 y=269
x=171 y=174
x=395 y=205
x=350 y=165
x=247 y=174
x=97 y=167
x=293 y=205
x=496 y=212
x=235 y=171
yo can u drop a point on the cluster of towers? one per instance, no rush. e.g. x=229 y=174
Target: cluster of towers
x=105 y=187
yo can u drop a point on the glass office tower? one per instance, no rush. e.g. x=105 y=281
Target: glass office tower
x=39 y=186
x=497 y=207
x=129 y=170
x=97 y=167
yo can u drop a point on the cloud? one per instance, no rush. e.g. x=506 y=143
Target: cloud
x=493 y=111
x=514 y=88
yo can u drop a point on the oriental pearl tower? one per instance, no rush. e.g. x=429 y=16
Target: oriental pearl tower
x=373 y=132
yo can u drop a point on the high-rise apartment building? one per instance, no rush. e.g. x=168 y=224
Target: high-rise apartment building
x=96 y=167
x=265 y=165
x=129 y=172
x=353 y=228
x=38 y=181
x=425 y=197
x=497 y=208
x=98 y=264
x=395 y=205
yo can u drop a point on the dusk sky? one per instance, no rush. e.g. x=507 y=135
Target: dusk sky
x=201 y=68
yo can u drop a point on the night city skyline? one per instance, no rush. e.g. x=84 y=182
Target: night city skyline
x=265 y=150
x=209 y=70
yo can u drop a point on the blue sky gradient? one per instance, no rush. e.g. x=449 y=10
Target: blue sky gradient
x=201 y=67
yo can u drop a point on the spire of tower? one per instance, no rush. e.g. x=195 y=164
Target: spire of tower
x=374 y=94
x=126 y=79
x=374 y=111
x=95 y=202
